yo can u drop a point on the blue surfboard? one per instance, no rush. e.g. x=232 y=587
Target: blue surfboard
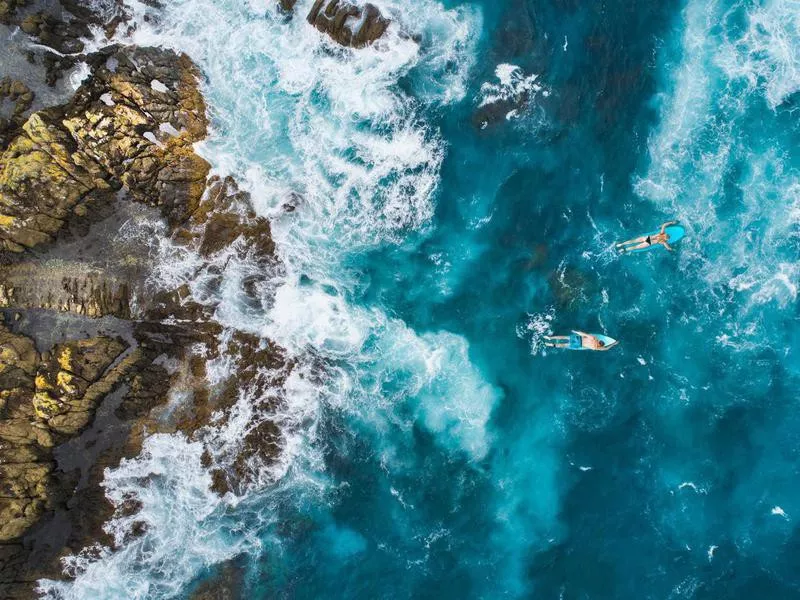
x=603 y=338
x=575 y=340
x=675 y=233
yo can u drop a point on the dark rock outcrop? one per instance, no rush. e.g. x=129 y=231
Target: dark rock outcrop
x=76 y=401
x=20 y=98
x=131 y=124
x=65 y=37
x=44 y=400
x=348 y=24
x=65 y=286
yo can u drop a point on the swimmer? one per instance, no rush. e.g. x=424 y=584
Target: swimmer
x=648 y=240
x=578 y=340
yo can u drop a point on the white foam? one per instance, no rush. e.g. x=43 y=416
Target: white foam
x=535 y=328
x=431 y=372
x=294 y=113
x=766 y=54
x=711 y=550
x=692 y=486
x=700 y=140
x=179 y=512
x=778 y=511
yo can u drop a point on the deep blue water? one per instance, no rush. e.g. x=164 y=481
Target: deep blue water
x=462 y=460
x=722 y=417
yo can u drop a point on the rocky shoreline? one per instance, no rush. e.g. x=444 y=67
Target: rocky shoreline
x=91 y=351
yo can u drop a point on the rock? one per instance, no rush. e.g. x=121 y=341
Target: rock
x=347 y=24
x=64 y=398
x=287 y=5
x=130 y=128
x=571 y=286
x=66 y=155
x=45 y=400
x=8 y=8
x=516 y=34
x=65 y=286
x=65 y=37
x=224 y=215
x=20 y=97
x=226 y=583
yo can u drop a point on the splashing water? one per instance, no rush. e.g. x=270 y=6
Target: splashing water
x=428 y=450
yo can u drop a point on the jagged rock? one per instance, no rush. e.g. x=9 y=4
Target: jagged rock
x=65 y=395
x=45 y=400
x=132 y=123
x=55 y=33
x=20 y=97
x=347 y=24
x=224 y=215
x=64 y=286
x=287 y=5
x=226 y=583
x=8 y=8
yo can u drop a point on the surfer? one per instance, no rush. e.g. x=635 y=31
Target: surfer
x=578 y=340
x=646 y=241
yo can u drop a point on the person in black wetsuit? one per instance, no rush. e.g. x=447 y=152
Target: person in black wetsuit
x=648 y=240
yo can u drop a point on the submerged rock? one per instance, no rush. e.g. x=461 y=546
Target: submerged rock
x=508 y=98
x=348 y=24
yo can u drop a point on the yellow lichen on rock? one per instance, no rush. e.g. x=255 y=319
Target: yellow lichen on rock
x=45 y=406
x=66 y=382
x=41 y=382
x=65 y=359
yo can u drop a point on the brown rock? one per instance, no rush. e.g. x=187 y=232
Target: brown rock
x=65 y=286
x=98 y=142
x=337 y=19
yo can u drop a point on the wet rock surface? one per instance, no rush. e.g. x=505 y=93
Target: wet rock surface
x=131 y=124
x=92 y=355
x=348 y=24
x=16 y=98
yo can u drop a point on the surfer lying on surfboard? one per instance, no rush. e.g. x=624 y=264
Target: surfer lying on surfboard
x=579 y=341
x=646 y=241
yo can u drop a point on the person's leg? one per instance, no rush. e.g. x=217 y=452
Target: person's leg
x=637 y=247
x=558 y=344
x=638 y=240
x=556 y=341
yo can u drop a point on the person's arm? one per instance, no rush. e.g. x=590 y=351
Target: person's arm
x=611 y=345
x=667 y=224
x=667 y=246
x=580 y=333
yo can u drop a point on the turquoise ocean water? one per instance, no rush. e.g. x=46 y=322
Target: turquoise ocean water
x=442 y=452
